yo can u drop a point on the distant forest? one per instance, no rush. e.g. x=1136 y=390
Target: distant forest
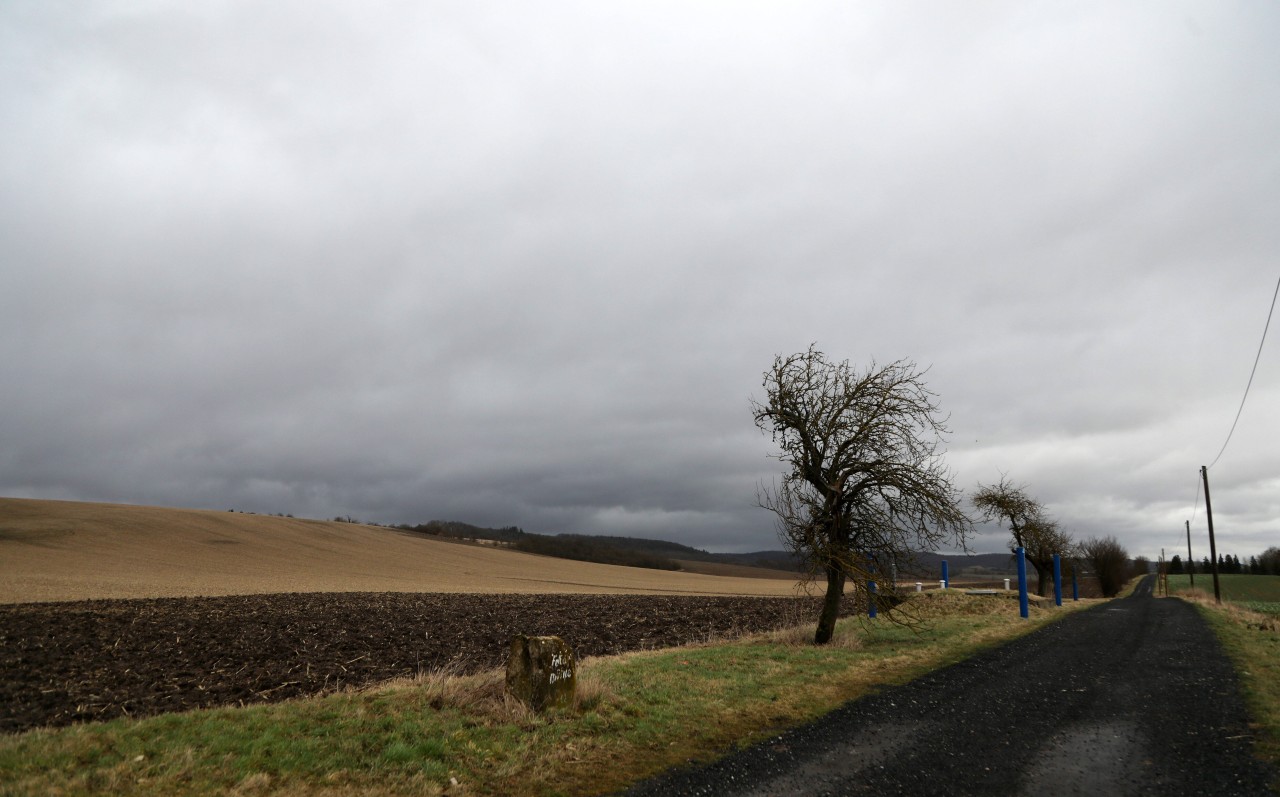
x=627 y=551
x=664 y=555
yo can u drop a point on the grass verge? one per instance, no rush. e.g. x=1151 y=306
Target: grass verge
x=1258 y=593
x=1234 y=586
x=1252 y=641
x=636 y=715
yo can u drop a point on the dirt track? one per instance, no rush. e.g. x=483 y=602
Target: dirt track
x=68 y=662
x=1133 y=697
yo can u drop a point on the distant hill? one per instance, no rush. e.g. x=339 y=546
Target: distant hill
x=666 y=555
x=930 y=564
x=773 y=560
x=465 y=531
x=627 y=551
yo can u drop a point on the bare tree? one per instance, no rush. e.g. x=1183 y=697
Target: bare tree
x=1042 y=539
x=1038 y=536
x=865 y=482
x=1110 y=562
x=1140 y=566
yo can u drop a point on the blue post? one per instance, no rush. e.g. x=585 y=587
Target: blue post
x=1075 y=588
x=946 y=582
x=1057 y=579
x=1021 y=556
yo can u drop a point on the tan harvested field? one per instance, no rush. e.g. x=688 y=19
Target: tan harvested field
x=742 y=571
x=64 y=550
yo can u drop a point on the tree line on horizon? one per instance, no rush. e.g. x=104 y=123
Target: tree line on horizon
x=1268 y=564
x=626 y=551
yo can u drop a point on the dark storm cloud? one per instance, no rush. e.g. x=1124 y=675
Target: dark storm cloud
x=515 y=265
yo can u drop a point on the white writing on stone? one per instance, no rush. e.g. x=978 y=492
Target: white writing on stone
x=561 y=669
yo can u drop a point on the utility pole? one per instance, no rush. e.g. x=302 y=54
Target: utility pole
x=1162 y=579
x=1191 y=563
x=1213 y=546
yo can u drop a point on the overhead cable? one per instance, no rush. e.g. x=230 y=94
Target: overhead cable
x=1196 y=505
x=1251 y=373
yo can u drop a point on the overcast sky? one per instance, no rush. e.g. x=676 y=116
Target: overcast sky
x=524 y=264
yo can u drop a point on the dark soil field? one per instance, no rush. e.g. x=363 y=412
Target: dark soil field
x=62 y=663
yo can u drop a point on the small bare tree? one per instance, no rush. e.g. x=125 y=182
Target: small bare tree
x=1038 y=536
x=1042 y=539
x=865 y=483
x=1141 y=566
x=1110 y=563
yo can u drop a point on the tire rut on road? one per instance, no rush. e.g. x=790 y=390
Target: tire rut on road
x=1134 y=696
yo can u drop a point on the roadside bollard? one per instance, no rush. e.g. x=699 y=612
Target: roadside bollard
x=942 y=585
x=1006 y=585
x=919 y=586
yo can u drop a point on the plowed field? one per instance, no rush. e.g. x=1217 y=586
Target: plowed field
x=62 y=663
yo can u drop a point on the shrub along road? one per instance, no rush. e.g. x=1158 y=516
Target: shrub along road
x=1132 y=697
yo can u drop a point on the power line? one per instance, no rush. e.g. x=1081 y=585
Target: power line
x=1196 y=505
x=1251 y=373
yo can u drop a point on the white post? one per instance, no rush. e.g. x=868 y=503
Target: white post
x=920 y=585
x=942 y=585
x=1006 y=585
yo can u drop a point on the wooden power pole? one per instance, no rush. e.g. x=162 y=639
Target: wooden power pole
x=1213 y=546
x=1191 y=563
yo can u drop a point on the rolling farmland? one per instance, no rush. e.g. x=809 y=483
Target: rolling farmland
x=116 y=610
x=64 y=551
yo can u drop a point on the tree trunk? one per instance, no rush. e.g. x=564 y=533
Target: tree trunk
x=830 y=605
x=1044 y=577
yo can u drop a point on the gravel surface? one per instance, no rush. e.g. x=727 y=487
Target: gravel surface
x=1132 y=697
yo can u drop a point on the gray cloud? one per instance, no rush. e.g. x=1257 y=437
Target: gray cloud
x=525 y=265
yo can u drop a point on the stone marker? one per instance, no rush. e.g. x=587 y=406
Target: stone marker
x=541 y=671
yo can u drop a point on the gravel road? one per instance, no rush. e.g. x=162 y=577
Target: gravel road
x=1132 y=697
